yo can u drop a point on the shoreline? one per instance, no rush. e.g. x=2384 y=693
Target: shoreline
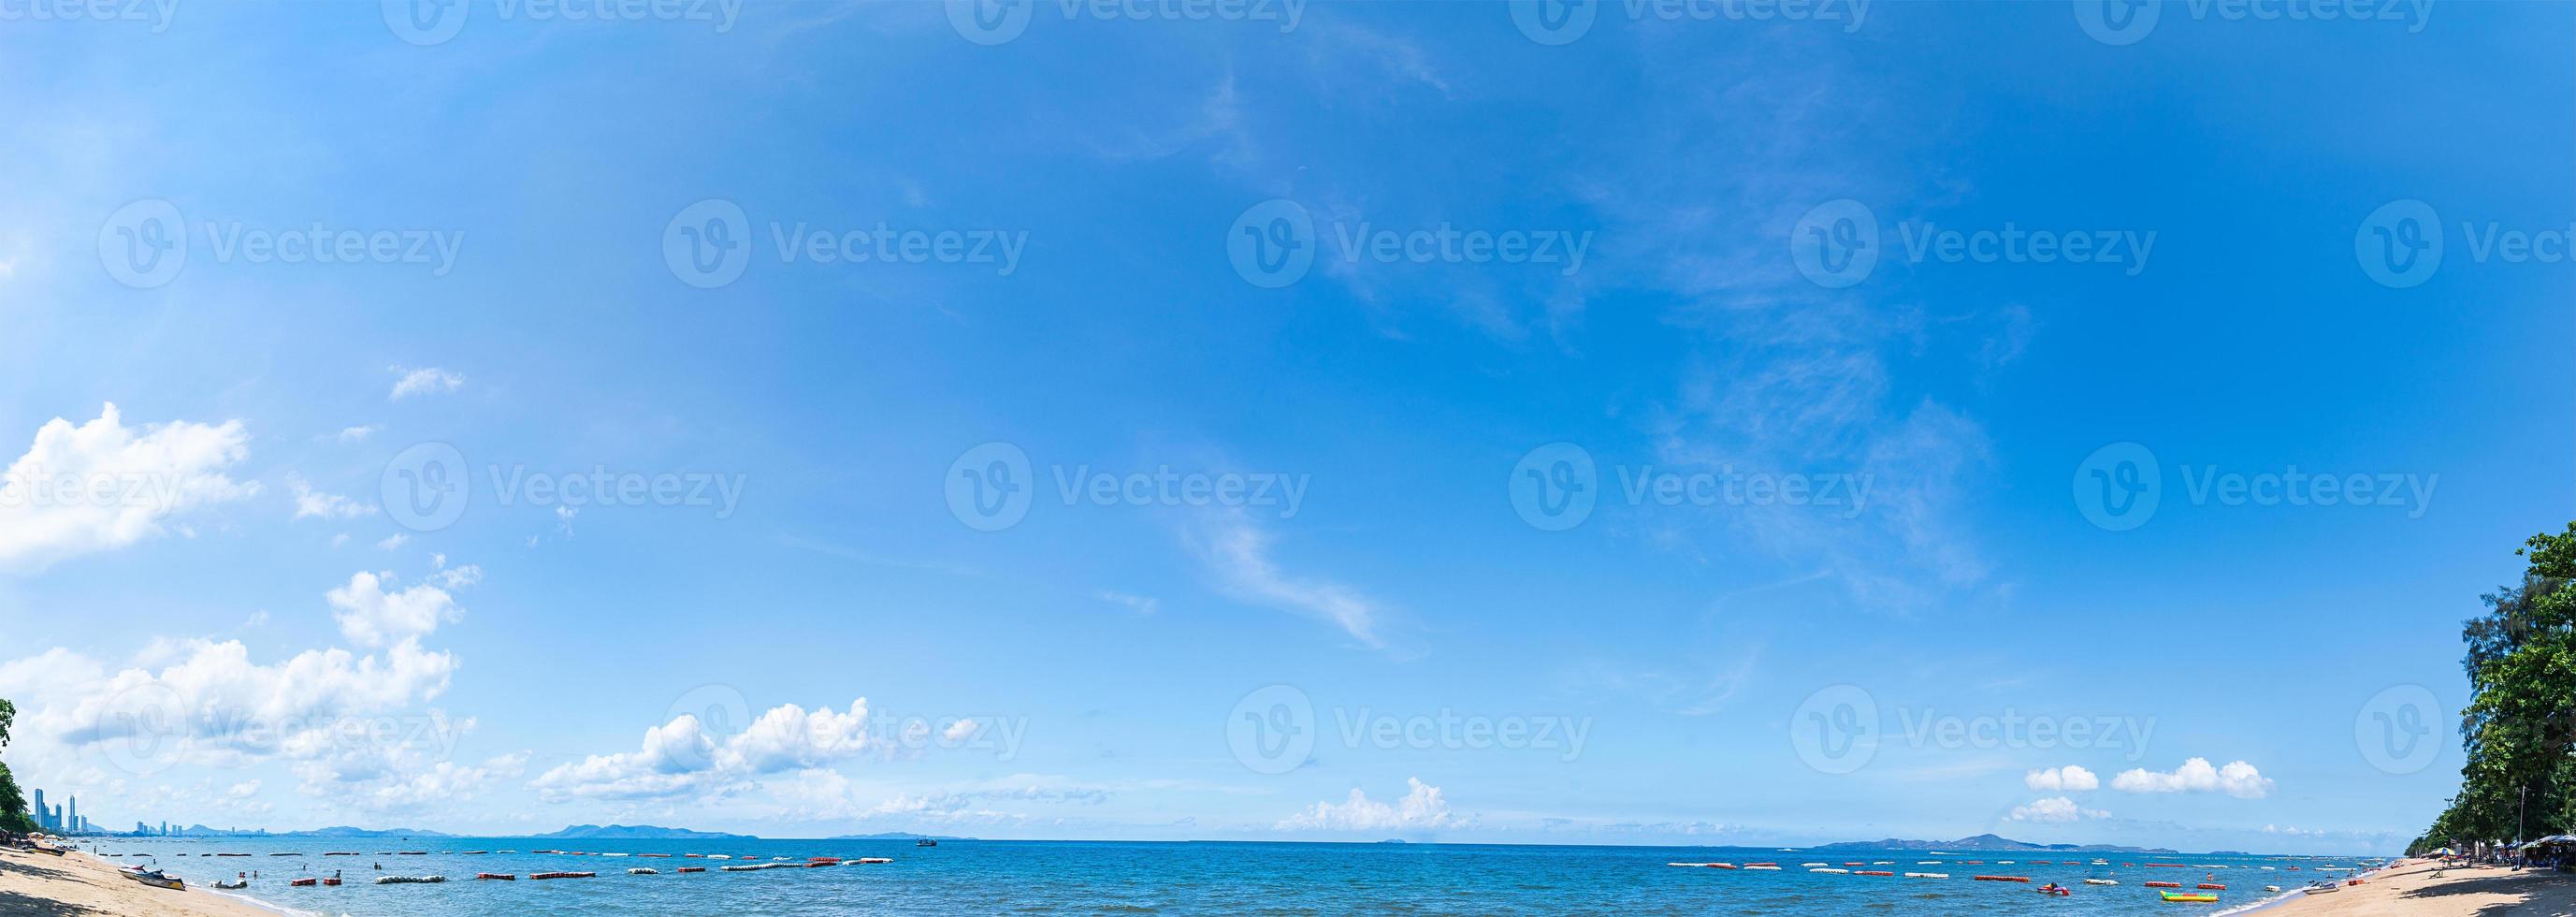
x=2408 y=888
x=81 y=883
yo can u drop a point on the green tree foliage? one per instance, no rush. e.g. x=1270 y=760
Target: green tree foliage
x=2520 y=724
x=13 y=804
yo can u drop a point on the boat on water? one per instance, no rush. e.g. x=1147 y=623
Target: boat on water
x=2101 y=881
x=925 y=842
x=643 y=871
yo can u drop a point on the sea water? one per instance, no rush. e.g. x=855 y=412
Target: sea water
x=1070 y=877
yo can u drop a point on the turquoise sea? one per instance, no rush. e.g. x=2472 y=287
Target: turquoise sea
x=1068 y=877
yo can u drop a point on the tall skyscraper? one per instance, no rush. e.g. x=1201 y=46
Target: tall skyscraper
x=71 y=815
x=42 y=822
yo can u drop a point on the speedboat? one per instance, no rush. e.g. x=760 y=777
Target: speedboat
x=925 y=842
x=156 y=879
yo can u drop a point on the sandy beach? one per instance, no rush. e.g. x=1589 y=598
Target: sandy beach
x=2410 y=888
x=80 y=884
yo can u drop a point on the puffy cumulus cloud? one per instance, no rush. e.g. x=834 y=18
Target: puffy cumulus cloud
x=211 y=702
x=427 y=381
x=2237 y=779
x=1421 y=807
x=2054 y=809
x=369 y=616
x=682 y=756
x=2061 y=779
x=103 y=485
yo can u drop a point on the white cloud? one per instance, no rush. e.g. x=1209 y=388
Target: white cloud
x=429 y=381
x=102 y=485
x=2060 y=779
x=459 y=577
x=358 y=434
x=2054 y=809
x=2237 y=779
x=1238 y=553
x=314 y=504
x=371 y=617
x=393 y=541
x=207 y=701
x=1421 y=807
x=681 y=756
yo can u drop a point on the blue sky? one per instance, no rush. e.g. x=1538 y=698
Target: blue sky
x=1681 y=424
